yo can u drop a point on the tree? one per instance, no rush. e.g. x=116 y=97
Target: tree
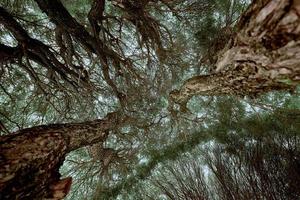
x=31 y=157
x=262 y=55
x=82 y=60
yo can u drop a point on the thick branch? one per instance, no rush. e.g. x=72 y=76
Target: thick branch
x=62 y=18
x=30 y=158
x=13 y=26
x=240 y=82
x=96 y=15
x=9 y=54
x=264 y=55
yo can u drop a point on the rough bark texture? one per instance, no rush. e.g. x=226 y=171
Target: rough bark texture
x=30 y=158
x=263 y=55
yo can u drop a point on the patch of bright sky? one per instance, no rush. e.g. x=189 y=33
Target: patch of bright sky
x=6 y=37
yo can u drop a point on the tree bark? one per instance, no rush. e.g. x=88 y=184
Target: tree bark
x=9 y=54
x=30 y=158
x=263 y=55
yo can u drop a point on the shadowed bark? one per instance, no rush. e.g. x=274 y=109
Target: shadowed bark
x=36 y=51
x=263 y=55
x=30 y=158
x=8 y=53
x=60 y=16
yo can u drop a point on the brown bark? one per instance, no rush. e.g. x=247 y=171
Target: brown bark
x=30 y=158
x=9 y=54
x=96 y=15
x=263 y=55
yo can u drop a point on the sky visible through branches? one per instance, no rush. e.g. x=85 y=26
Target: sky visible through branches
x=64 y=61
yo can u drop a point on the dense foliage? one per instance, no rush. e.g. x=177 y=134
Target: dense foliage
x=128 y=58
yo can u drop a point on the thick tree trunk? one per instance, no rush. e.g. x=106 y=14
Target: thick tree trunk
x=263 y=55
x=30 y=158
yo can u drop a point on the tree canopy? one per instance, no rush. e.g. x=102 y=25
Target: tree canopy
x=153 y=97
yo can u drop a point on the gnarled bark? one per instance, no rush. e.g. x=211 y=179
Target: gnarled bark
x=30 y=158
x=264 y=55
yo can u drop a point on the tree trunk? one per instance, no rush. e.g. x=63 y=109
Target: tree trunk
x=263 y=55
x=30 y=158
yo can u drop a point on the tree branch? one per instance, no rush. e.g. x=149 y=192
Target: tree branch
x=31 y=157
x=9 y=54
x=96 y=15
x=62 y=18
x=37 y=51
x=264 y=55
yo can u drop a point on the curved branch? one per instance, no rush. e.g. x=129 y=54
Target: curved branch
x=264 y=55
x=31 y=157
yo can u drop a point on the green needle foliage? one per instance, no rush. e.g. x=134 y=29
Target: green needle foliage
x=127 y=57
